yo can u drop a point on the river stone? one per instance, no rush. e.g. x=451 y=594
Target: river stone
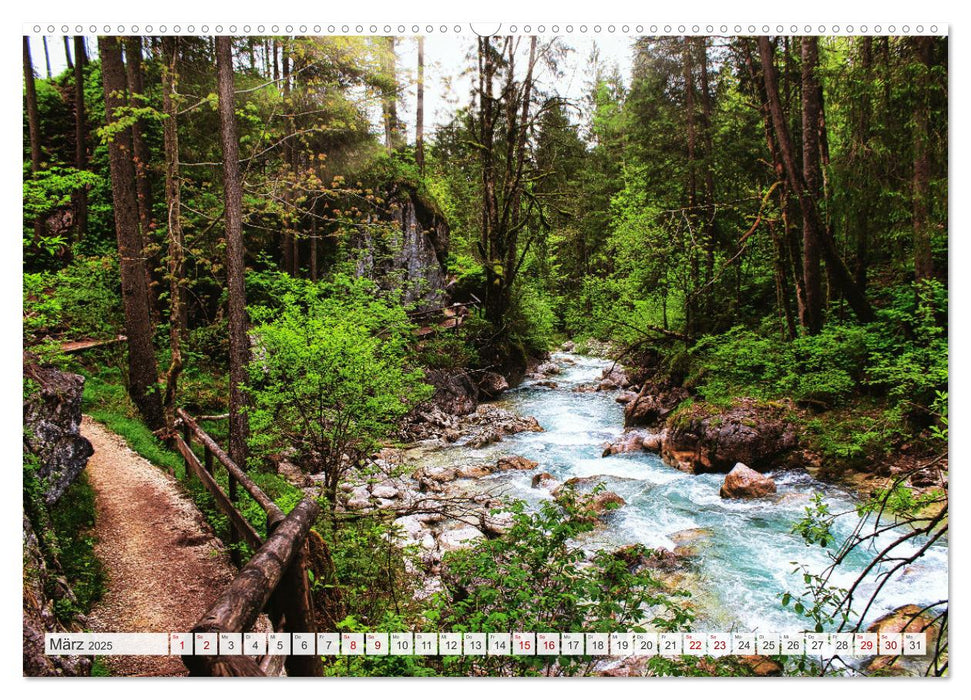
x=625 y=397
x=743 y=482
x=613 y=378
x=384 y=491
x=460 y=537
x=690 y=535
x=474 y=471
x=761 y=665
x=412 y=529
x=907 y=618
x=495 y=525
x=626 y=443
x=652 y=405
x=359 y=498
x=515 y=462
x=595 y=506
x=492 y=384
x=544 y=480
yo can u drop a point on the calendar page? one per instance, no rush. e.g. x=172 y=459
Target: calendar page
x=399 y=348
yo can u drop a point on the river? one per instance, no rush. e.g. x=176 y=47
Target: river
x=746 y=553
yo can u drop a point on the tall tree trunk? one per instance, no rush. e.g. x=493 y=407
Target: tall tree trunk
x=811 y=110
x=501 y=216
x=691 y=300
x=276 y=63
x=67 y=53
x=709 y=234
x=133 y=54
x=857 y=301
x=420 y=109
x=289 y=264
x=235 y=251
x=80 y=197
x=47 y=58
x=389 y=97
x=923 y=258
x=785 y=246
x=176 y=239
x=33 y=128
x=863 y=207
x=142 y=368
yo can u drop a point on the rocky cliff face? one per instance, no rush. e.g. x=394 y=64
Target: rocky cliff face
x=411 y=255
x=52 y=421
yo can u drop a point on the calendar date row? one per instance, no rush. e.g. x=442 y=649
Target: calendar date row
x=488 y=644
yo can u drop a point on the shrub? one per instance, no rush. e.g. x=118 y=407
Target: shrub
x=330 y=376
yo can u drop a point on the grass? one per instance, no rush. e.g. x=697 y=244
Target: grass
x=106 y=400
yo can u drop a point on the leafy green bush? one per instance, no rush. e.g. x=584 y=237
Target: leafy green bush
x=72 y=521
x=536 y=578
x=330 y=376
x=532 y=322
x=81 y=300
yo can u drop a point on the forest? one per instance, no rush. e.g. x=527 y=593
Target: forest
x=621 y=356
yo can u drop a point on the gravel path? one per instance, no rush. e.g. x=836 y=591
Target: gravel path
x=164 y=564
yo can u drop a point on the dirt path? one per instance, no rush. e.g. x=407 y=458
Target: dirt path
x=165 y=566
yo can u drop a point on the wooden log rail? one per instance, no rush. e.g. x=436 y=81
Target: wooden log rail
x=272 y=577
x=275 y=578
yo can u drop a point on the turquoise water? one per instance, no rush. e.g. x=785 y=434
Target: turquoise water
x=744 y=563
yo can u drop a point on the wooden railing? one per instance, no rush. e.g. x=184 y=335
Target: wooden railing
x=274 y=580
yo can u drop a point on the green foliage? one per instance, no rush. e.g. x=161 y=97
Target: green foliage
x=72 y=522
x=825 y=369
x=536 y=578
x=81 y=300
x=533 y=322
x=330 y=375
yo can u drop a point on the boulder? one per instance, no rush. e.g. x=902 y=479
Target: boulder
x=704 y=439
x=907 y=618
x=359 y=498
x=491 y=385
x=474 y=471
x=52 y=427
x=613 y=378
x=384 y=491
x=515 y=462
x=455 y=392
x=626 y=443
x=460 y=537
x=691 y=535
x=634 y=441
x=743 y=482
x=544 y=480
x=568 y=346
x=598 y=505
x=546 y=369
x=546 y=384
x=653 y=404
x=490 y=424
x=495 y=525
x=758 y=665
x=625 y=397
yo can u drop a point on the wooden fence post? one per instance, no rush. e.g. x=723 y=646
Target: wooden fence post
x=294 y=601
